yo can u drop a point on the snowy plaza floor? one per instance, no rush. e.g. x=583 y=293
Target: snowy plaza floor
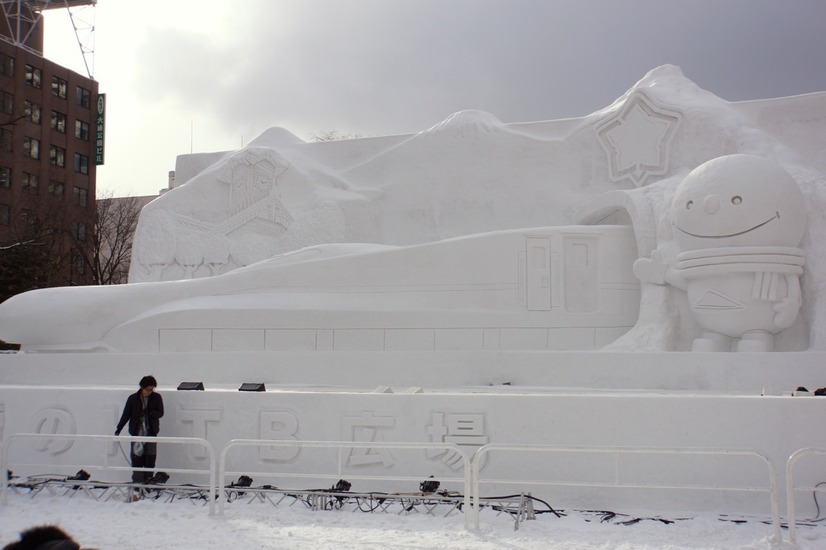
x=248 y=525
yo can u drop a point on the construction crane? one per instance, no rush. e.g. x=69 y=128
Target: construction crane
x=22 y=25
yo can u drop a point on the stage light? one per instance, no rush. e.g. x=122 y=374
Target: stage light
x=191 y=386
x=429 y=485
x=243 y=481
x=81 y=475
x=252 y=386
x=341 y=486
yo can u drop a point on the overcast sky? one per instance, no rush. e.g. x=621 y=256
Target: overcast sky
x=211 y=75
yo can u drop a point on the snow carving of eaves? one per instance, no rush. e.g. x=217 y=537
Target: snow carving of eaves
x=637 y=139
x=269 y=209
x=189 y=223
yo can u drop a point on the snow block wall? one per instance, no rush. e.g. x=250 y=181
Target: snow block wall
x=469 y=419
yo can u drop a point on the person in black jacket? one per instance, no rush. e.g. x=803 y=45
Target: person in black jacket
x=143 y=411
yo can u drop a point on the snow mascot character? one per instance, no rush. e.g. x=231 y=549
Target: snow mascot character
x=737 y=222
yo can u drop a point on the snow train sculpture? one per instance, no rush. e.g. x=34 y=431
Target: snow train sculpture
x=542 y=288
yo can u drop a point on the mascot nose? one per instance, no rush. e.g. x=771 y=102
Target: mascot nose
x=711 y=204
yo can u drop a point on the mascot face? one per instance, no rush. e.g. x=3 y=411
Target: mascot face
x=738 y=200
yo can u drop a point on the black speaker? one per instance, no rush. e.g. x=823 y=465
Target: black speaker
x=191 y=386
x=252 y=386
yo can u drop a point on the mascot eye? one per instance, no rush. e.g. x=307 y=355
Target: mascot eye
x=736 y=199
x=689 y=204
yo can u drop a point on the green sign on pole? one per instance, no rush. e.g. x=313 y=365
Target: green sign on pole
x=99 y=127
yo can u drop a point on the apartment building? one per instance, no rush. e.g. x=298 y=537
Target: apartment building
x=48 y=150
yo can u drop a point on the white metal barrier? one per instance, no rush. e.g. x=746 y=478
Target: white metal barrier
x=104 y=464
x=471 y=479
x=790 y=488
x=341 y=446
x=504 y=447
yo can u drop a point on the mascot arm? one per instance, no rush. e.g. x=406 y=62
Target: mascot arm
x=654 y=270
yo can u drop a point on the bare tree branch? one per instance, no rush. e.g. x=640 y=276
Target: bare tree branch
x=107 y=248
x=332 y=135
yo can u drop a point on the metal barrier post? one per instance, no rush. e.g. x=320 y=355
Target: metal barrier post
x=4 y=497
x=790 y=504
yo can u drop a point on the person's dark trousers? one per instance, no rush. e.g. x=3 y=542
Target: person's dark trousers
x=146 y=460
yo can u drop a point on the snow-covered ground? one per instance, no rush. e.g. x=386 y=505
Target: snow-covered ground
x=184 y=525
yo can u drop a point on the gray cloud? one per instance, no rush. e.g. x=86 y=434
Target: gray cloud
x=374 y=66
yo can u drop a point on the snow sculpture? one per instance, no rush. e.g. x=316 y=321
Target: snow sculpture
x=737 y=221
x=565 y=287
x=424 y=287
x=240 y=217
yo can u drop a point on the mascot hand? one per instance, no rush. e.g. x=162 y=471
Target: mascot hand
x=651 y=270
x=786 y=311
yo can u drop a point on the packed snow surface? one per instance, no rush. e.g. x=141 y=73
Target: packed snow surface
x=182 y=525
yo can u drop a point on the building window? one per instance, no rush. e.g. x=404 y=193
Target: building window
x=56 y=188
x=29 y=218
x=59 y=122
x=34 y=76
x=84 y=97
x=5 y=177
x=78 y=264
x=5 y=212
x=30 y=183
x=59 y=87
x=57 y=156
x=7 y=102
x=80 y=231
x=32 y=111
x=31 y=147
x=5 y=139
x=81 y=196
x=6 y=65
x=81 y=163
x=81 y=130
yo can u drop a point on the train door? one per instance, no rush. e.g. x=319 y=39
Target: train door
x=539 y=273
x=581 y=274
